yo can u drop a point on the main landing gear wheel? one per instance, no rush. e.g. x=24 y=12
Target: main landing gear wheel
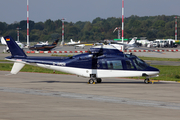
x=99 y=80
x=91 y=81
x=147 y=81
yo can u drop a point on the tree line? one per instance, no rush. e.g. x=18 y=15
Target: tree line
x=152 y=27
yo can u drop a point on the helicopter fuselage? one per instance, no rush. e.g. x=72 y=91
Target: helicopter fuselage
x=87 y=64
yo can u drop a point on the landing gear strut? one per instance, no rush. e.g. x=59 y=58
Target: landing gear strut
x=147 y=81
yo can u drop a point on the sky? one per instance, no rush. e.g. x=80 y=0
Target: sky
x=83 y=10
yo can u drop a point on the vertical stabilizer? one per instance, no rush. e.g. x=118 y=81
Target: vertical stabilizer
x=133 y=41
x=15 y=50
x=55 y=42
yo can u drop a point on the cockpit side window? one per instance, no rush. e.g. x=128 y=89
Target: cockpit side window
x=129 y=64
x=140 y=65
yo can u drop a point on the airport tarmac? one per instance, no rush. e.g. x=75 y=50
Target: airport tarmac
x=38 y=96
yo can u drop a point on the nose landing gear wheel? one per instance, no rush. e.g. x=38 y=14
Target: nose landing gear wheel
x=147 y=81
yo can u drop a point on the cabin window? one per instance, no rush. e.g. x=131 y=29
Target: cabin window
x=129 y=64
x=103 y=64
x=116 y=64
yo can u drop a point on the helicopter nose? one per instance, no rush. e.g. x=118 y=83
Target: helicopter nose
x=153 y=71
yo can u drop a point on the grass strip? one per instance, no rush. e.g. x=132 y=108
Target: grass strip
x=160 y=59
x=5 y=61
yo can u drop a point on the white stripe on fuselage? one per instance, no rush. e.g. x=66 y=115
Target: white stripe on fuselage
x=100 y=73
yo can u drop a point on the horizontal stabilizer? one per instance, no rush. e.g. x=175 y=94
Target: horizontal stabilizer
x=17 y=67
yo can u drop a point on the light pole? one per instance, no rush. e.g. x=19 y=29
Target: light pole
x=27 y=23
x=18 y=33
x=119 y=34
x=62 y=42
x=176 y=27
x=122 y=21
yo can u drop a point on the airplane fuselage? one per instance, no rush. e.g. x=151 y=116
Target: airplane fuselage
x=45 y=47
x=42 y=47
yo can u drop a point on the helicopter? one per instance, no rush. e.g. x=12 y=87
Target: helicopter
x=100 y=62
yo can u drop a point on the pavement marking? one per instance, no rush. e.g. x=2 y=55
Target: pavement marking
x=99 y=98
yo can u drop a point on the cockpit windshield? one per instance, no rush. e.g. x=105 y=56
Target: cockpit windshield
x=140 y=64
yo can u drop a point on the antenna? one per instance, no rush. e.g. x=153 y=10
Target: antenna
x=27 y=23
x=18 y=33
x=122 y=21
x=176 y=27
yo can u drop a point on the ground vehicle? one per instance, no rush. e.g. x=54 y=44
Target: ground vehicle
x=164 y=43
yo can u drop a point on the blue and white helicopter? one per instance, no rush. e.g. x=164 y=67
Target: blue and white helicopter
x=99 y=62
